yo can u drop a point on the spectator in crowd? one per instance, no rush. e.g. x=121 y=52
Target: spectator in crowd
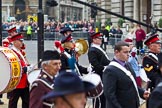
x=113 y=31
x=140 y=36
x=90 y=32
x=108 y=26
x=29 y=32
x=119 y=32
x=105 y=37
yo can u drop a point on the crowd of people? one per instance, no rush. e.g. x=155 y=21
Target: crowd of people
x=55 y=26
x=60 y=83
x=49 y=26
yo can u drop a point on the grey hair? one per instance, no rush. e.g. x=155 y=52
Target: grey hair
x=45 y=62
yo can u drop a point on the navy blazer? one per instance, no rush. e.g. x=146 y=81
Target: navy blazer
x=119 y=89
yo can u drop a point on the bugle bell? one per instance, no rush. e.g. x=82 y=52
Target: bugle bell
x=81 y=46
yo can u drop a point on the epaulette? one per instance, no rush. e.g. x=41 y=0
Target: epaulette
x=148 y=68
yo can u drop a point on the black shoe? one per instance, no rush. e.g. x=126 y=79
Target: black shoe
x=1 y=103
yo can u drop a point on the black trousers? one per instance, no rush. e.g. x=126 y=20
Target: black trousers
x=139 y=45
x=1 y=96
x=14 y=97
x=104 y=46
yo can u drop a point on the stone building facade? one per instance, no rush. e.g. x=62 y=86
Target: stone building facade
x=20 y=9
x=147 y=11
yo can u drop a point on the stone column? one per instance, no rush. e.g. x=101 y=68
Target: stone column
x=105 y=4
x=103 y=14
x=136 y=10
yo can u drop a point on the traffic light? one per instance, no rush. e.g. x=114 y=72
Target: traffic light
x=51 y=3
x=93 y=10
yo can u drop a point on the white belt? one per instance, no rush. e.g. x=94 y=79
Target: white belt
x=48 y=104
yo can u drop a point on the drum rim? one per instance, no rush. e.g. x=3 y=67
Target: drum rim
x=7 y=88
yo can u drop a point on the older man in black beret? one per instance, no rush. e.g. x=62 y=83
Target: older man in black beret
x=51 y=64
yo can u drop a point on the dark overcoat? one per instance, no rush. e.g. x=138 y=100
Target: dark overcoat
x=119 y=89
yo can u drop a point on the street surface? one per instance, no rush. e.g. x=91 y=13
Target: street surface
x=31 y=53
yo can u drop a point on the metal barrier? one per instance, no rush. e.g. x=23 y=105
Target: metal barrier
x=58 y=36
x=51 y=35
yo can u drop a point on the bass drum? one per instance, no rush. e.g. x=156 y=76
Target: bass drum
x=96 y=80
x=33 y=75
x=10 y=74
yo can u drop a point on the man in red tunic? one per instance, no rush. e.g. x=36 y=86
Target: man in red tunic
x=22 y=89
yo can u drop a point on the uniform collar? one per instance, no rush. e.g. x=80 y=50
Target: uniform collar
x=95 y=45
x=153 y=53
x=47 y=74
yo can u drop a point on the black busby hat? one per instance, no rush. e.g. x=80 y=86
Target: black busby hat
x=51 y=55
x=68 y=83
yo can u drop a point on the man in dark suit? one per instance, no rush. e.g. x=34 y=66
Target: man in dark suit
x=99 y=60
x=120 y=88
x=156 y=97
x=51 y=64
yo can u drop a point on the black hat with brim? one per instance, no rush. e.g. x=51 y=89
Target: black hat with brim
x=68 y=83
